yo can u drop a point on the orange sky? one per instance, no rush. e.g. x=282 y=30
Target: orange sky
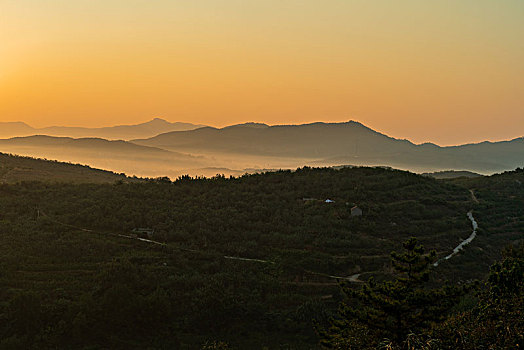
x=442 y=71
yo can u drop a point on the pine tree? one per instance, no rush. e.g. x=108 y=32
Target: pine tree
x=392 y=309
x=497 y=320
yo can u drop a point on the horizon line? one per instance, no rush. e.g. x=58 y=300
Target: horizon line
x=161 y=118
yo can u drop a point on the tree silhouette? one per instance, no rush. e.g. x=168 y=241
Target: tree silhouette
x=497 y=320
x=392 y=309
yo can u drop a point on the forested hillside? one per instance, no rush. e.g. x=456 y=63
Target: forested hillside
x=252 y=261
x=15 y=169
x=499 y=209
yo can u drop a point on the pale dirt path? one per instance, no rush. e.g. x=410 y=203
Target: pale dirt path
x=471 y=237
x=473 y=197
x=41 y=213
x=353 y=278
x=465 y=242
x=248 y=259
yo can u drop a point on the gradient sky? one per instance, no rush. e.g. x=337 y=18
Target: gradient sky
x=442 y=71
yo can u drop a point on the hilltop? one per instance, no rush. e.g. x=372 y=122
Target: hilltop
x=15 y=169
x=451 y=174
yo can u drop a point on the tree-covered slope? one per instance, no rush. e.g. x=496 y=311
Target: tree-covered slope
x=500 y=214
x=14 y=169
x=251 y=261
x=254 y=217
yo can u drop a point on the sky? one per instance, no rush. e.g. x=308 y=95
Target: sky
x=448 y=72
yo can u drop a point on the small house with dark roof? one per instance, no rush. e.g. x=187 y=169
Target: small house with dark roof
x=356 y=211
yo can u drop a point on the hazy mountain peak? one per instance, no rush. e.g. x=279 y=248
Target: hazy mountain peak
x=15 y=124
x=333 y=143
x=158 y=121
x=16 y=127
x=147 y=129
x=358 y=124
x=254 y=125
x=355 y=122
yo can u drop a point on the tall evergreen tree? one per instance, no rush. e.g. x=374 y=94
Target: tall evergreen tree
x=392 y=309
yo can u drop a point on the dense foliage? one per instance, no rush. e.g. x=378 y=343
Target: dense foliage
x=15 y=169
x=500 y=213
x=497 y=320
x=248 y=261
x=392 y=309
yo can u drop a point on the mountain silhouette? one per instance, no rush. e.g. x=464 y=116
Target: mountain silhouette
x=342 y=143
x=251 y=147
x=118 y=156
x=120 y=132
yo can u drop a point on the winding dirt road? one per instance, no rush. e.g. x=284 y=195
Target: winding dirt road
x=464 y=242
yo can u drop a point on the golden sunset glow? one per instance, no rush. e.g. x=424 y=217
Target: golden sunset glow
x=442 y=71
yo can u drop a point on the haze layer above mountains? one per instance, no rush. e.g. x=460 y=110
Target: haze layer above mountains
x=160 y=148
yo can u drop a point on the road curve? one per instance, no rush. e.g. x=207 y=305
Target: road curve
x=465 y=242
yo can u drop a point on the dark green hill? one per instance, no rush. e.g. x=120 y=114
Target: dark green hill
x=451 y=174
x=499 y=210
x=15 y=169
x=250 y=260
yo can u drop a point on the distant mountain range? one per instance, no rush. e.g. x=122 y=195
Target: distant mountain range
x=118 y=156
x=250 y=147
x=119 y=132
x=342 y=143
